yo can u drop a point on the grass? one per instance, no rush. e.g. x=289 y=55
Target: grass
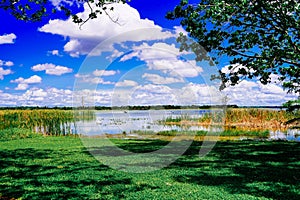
x=61 y=168
x=230 y=132
x=257 y=133
x=46 y=121
x=17 y=133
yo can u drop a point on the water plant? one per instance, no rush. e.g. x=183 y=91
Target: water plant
x=242 y=118
x=46 y=121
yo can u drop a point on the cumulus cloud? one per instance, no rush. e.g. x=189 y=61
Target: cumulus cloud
x=23 y=84
x=158 y=50
x=98 y=72
x=165 y=58
x=248 y=93
x=157 y=79
x=52 y=69
x=181 y=68
x=252 y=93
x=235 y=68
x=144 y=95
x=54 y=52
x=6 y=63
x=30 y=80
x=127 y=20
x=58 y=3
x=126 y=83
x=202 y=94
x=4 y=72
x=7 y=38
x=180 y=29
x=88 y=78
x=38 y=97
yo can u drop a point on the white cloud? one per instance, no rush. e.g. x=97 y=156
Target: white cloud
x=97 y=80
x=252 y=93
x=38 y=97
x=157 y=51
x=235 y=68
x=30 y=80
x=180 y=29
x=52 y=69
x=200 y=94
x=9 y=63
x=166 y=58
x=144 y=95
x=54 y=52
x=87 y=78
x=58 y=3
x=176 y=67
x=92 y=97
x=23 y=84
x=105 y=72
x=6 y=63
x=95 y=31
x=7 y=38
x=126 y=83
x=4 y=72
x=157 y=79
x=82 y=75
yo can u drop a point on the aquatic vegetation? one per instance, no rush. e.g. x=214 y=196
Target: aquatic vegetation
x=242 y=118
x=46 y=121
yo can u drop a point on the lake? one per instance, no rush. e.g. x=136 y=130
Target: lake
x=129 y=122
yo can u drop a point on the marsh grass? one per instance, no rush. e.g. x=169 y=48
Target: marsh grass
x=46 y=121
x=242 y=118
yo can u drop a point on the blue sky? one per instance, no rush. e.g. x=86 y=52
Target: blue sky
x=134 y=61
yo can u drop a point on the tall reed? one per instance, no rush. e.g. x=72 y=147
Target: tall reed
x=46 y=121
x=255 y=118
x=242 y=118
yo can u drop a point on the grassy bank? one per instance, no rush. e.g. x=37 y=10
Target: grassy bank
x=61 y=168
x=251 y=133
x=17 y=133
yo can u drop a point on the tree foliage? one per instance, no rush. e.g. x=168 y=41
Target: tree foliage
x=292 y=105
x=35 y=10
x=259 y=37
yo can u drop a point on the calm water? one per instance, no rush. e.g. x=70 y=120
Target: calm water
x=116 y=122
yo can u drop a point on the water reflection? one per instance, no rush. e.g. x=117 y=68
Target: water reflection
x=115 y=122
x=290 y=134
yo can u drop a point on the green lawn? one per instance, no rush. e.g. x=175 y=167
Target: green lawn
x=61 y=168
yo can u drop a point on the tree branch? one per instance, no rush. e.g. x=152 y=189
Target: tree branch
x=245 y=55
